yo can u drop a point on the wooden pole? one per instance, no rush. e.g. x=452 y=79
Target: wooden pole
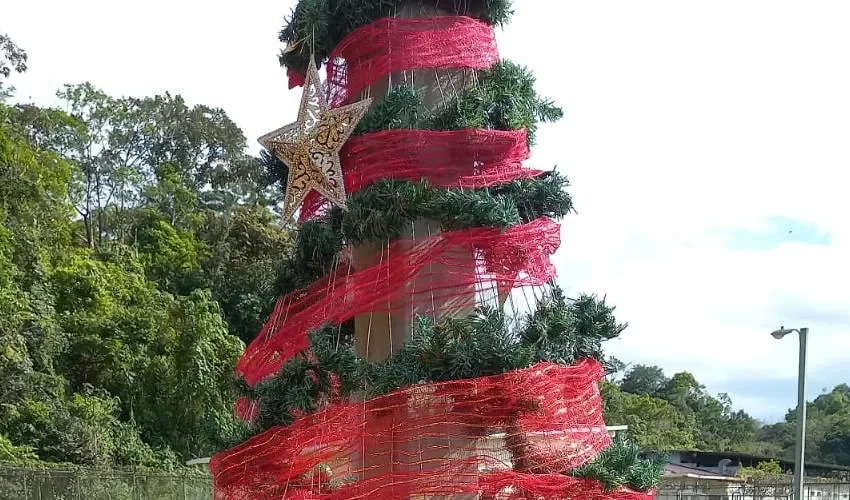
x=378 y=335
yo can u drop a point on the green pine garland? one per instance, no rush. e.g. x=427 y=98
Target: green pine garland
x=487 y=343
x=621 y=466
x=385 y=210
x=503 y=99
x=319 y=25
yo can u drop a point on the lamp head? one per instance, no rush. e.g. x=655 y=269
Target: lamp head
x=782 y=332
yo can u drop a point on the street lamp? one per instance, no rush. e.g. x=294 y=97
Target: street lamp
x=799 y=469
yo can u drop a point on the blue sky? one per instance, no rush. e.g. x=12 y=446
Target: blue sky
x=774 y=232
x=707 y=143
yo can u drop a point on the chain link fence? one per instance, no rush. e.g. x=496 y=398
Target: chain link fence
x=94 y=484
x=686 y=489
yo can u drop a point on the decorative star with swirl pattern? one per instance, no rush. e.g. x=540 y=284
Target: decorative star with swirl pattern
x=310 y=147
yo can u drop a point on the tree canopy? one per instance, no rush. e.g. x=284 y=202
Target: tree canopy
x=667 y=413
x=138 y=250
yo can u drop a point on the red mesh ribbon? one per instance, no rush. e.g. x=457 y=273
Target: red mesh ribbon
x=392 y=45
x=246 y=409
x=296 y=77
x=450 y=437
x=509 y=485
x=470 y=158
x=420 y=276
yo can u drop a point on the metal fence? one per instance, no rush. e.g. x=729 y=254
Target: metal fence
x=94 y=484
x=750 y=490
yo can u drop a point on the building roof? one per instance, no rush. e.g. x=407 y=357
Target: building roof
x=679 y=470
x=749 y=459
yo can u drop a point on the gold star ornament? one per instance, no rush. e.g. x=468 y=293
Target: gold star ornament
x=310 y=147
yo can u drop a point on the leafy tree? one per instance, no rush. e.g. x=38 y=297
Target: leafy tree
x=685 y=415
x=155 y=151
x=827 y=429
x=836 y=442
x=643 y=379
x=12 y=58
x=243 y=263
x=114 y=348
x=653 y=422
x=762 y=470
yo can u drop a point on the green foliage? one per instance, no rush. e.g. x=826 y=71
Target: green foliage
x=115 y=328
x=827 y=429
x=385 y=210
x=653 y=423
x=401 y=108
x=242 y=263
x=621 y=466
x=503 y=98
x=718 y=427
x=171 y=257
x=152 y=152
x=79 y=428
x=762 y=470
x=486 y=343
x=17 y=455
x=645 y=380
x=677 y=413
x=319 y=25
x=12 y=58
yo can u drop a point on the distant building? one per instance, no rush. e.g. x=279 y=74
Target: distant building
x=713 y=476
x=729 y=463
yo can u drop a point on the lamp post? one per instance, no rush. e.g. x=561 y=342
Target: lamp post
x=799 y=468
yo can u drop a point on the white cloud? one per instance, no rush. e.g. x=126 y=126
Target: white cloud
x=682 y=117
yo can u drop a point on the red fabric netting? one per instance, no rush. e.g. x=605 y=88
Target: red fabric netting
x=441 y=438
x=297 y=78
x=510 y=485
x=470 y=158
x=419 y=276
x=391 y=45
x=246 y=409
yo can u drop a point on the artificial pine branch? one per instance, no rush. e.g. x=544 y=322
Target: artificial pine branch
x=503 y=99
x=401 y=108
x=621 y=466
x=319 y=25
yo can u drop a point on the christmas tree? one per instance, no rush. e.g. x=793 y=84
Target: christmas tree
x=420 y=347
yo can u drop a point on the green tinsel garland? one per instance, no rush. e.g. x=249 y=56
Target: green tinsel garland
x=487 y=343
x=319 y=25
